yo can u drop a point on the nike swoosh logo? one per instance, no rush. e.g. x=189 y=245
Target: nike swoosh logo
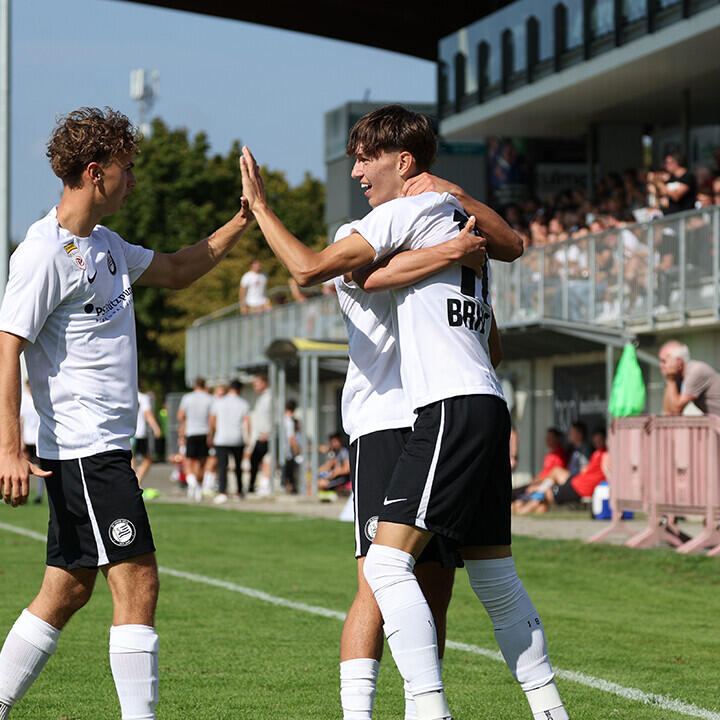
x=390 y=502
x=91 y=280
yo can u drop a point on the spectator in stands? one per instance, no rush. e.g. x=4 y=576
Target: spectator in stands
x=291 y=428
x=193 y=415
x=334 y=474
x=145 y=420
x=675 y=188
x=579 y=448
x=261 y=424
x=687 y=381
x=229 y=423
x=556 y=456
x=252 y=290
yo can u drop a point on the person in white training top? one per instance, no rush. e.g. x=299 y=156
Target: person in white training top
x=69 y=306
x=385 y=162
x=146 y=421
x=193 y=416
x=252 y=290
x=30 y=421
x=229 y=426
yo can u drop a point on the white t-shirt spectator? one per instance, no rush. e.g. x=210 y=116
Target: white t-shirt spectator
x=261 y=416
x=254 y=284
x=229 y=411
x=144 y=404
x=196 y=405
x=30 y=419
x=72 y=299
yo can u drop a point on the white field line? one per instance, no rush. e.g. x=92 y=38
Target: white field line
x=662 y=702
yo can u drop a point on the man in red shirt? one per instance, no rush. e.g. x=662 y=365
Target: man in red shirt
x=556 y=458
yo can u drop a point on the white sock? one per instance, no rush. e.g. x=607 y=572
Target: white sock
x=27 y=648
x=192 y=482
x=519 y=632
x=209 y=481
x=134 y=665
x=358 y=685
x=410 y=709
x=408 y=626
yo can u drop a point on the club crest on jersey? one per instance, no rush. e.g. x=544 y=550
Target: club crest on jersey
x=122 y=532
x=74 y=254
x=371 y=528
x=112 y=267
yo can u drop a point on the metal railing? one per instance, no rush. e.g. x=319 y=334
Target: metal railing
x=662 y=271
x=217 y=345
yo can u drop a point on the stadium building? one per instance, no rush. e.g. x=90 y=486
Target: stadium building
x=551 y=96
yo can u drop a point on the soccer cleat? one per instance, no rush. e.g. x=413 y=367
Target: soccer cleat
x=220 y=498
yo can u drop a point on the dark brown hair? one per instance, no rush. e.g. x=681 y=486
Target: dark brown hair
x=394 y=128
x=89 y=135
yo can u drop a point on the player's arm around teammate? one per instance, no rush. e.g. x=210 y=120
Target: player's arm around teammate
x=503 y=242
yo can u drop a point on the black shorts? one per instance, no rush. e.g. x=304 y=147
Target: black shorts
x=372 y=461
x=453 y=476
x=565 y=493
x=97 y=514
x=196 y=448
x=141 y=446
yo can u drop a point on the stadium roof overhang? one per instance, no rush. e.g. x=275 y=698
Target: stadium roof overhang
x=404 y=26
x=639 y=83
x=547 y=337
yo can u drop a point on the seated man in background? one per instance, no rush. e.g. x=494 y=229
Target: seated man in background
x=687 y=381
x=335 y=472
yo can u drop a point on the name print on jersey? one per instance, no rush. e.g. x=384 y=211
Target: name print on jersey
x=114 y=306
x=473 y=314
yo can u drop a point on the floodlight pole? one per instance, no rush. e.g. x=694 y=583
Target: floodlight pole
x=4 y=142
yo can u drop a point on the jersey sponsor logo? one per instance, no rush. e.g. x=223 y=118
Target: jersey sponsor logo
x=391 y=502
x=471 y=313
x=91 y=280
x=371 y=528
x=114 y=306
x=112 y=267
x=80 y=262
x=122 y=532
x=74 y=254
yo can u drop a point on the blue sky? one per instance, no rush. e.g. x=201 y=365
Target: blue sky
x=270 y=88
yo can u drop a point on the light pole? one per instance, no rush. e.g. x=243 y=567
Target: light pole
x=4 y=142
x=144 y=89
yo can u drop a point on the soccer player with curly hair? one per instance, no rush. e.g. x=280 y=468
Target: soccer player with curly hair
x=69 y=306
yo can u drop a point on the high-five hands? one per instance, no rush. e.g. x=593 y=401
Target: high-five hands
x=252 y=182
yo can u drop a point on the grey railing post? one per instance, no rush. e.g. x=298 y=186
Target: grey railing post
x=305 y=401
x=621 y=280
x=315 y=405
x=566 y=283
x=651 y=275
x=272 y=444
x=683 y=275
x=541 y=284
x=592 y=275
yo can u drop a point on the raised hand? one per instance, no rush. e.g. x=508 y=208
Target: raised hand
x=425 y=182
x=253 y=185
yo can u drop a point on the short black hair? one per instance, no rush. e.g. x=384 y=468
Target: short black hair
x=236 y=385
x=291 y=405
x=580 y=426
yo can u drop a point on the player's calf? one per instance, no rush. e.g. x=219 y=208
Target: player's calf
x=519 y=633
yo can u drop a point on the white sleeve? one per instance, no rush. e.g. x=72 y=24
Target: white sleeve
x=137 y=258
x=184 y=401
x=245 y=280
x=34 y=289
x=386 y=228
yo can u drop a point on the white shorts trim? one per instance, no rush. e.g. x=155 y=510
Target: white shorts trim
x=356 y=492
x=101 y=552
x=427 y=490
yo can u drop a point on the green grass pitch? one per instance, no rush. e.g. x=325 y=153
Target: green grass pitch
x=645 y=620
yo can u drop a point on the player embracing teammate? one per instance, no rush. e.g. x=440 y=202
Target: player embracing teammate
x=451 y=475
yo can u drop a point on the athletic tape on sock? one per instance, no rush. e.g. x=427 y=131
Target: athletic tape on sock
x=133 y=639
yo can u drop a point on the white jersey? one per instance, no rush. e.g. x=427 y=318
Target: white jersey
x=196 y=405
x=144 y=404
x=254 y=284
x=30 y=419
x=442 y=323
x=373 y=398
x=261 y=414
x=72 y=299
x=229 y=411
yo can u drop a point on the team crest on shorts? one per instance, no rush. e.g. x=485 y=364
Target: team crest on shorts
x=112 y=267
x=371 y=528
x=122 y=532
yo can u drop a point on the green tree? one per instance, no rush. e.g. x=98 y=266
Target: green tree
x=183 y=194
